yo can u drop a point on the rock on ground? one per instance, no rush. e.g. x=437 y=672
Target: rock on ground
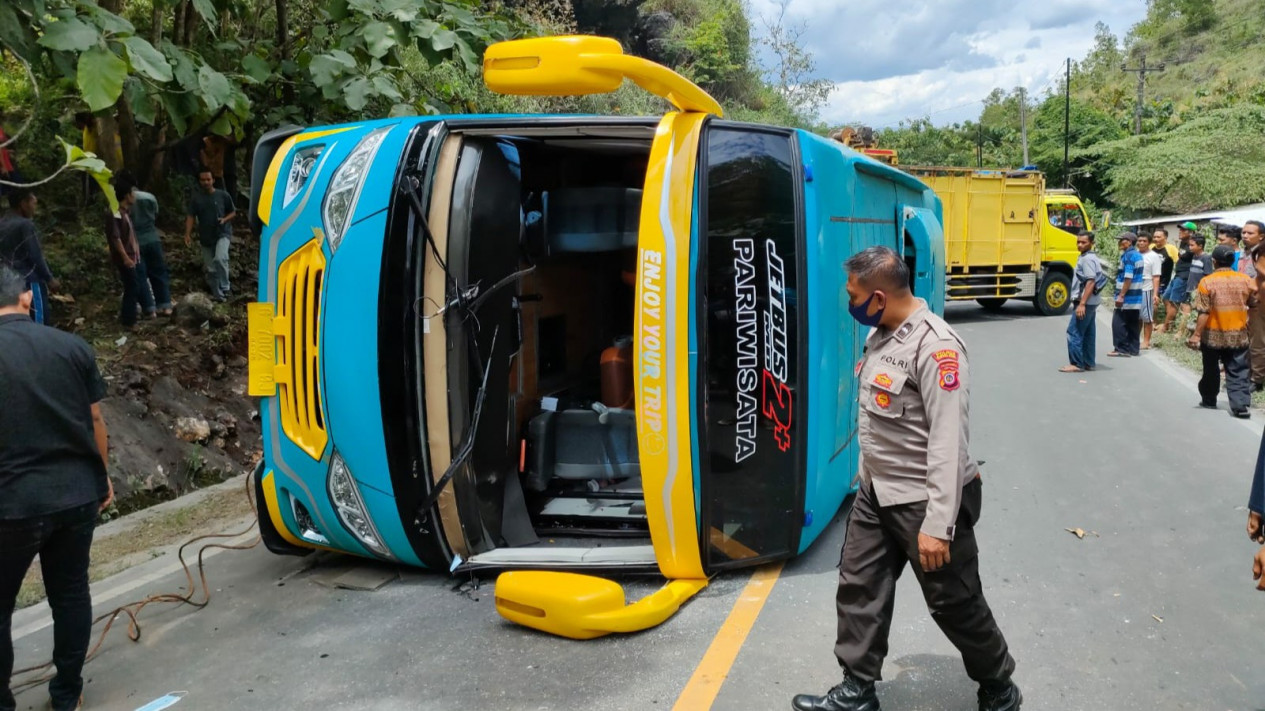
x=194 y=310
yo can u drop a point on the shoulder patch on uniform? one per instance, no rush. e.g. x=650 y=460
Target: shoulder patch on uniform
x=948 y=365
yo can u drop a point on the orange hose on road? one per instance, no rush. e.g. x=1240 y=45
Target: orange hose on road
x=133 y=609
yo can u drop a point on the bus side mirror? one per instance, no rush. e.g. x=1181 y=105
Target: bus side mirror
x=575 y=65
x=583 y=606
x=546 y=66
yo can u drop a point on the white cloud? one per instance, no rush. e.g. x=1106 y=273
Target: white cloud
x=899 y=59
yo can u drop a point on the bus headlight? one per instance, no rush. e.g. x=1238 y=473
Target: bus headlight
x=344 y=188
x=300 y=170
x=344 y=492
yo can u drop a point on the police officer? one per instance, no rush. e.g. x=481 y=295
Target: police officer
x=919 y=497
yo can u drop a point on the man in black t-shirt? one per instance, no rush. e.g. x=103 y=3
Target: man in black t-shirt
x=53 y=481
x=1177 y=296
x=20 y=249
x=211 y=210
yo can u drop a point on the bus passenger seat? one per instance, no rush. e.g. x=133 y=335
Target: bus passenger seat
x=579 y=445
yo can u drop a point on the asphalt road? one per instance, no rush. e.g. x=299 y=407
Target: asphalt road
x=1155 y=609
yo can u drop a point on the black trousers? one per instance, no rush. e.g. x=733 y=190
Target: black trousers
x=1237 y=384
x=130 y=279
x=155 y=289
x=880 y=542
x=1126 y=331
x=63 y=541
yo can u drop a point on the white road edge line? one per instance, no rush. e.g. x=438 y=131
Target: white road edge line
x=1180 y=373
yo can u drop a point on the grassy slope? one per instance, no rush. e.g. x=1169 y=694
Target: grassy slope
x=1209 y=67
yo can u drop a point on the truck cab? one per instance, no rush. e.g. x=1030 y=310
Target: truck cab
x=555 y=346
x=1063 y=217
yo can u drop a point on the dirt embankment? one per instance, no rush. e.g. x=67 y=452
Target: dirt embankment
x=177 y=410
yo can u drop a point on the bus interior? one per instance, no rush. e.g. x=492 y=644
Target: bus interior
x=542 y=235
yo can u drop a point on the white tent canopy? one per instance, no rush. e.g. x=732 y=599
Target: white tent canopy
x=1230 y=216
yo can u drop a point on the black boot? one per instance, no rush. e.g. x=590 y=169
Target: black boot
x=999 y=696
x=851 y=694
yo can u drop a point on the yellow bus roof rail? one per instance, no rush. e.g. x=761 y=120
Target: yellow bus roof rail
x=573 y=65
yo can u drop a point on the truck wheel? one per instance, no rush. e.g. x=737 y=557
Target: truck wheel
x=271 y=538
x=1055 y=295
x=993 y=304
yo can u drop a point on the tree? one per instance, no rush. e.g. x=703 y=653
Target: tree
x=1089 y=126
x=919 y=142
x=1196 y=15
x=1216 y=160
x=793 y=66
x=220 y=69
x=712 y=47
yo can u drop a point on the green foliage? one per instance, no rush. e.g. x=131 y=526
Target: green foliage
x=77 y=159
x=1212 y=54
x=712 y=54
x=794 y=68
x=1089 y=126
x=1201 y=144
x=362 y=60
x=711 y=44
x=332 y=60
x=1194 y=15
x=1215 y=160
x=100 y=77
x=239 y=67
x=920 y=142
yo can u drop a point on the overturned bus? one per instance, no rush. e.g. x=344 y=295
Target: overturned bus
x=554 y=346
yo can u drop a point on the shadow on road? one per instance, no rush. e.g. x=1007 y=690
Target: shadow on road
x=823 y=556
x=927 y=681
x=971 y=313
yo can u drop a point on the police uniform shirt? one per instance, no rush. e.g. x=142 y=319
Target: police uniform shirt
x=913 y=418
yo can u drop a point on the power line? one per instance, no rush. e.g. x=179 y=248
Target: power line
x=1141 y=72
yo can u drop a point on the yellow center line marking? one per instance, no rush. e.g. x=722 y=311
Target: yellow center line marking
x=701 y=690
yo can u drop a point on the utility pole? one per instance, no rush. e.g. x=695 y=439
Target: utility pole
x=1023 y=123
x=979 y=144
x=1141 y=72
x=1067 y=122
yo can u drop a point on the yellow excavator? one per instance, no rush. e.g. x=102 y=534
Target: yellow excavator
x=862 y=140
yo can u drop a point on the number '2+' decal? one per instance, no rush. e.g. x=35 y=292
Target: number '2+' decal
x=778 y=406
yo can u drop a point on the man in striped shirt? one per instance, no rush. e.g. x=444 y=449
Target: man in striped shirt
x=1126 y=323
x=1222 y=300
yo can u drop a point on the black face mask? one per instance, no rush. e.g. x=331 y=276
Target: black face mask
x=860 y=312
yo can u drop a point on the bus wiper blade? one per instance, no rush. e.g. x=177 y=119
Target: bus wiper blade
x=467 y=444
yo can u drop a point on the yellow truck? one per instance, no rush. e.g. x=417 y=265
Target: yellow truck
x=1006 y=236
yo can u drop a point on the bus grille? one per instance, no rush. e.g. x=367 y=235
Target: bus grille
x=299 y=281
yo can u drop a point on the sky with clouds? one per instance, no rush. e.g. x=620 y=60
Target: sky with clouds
x=899 y=59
